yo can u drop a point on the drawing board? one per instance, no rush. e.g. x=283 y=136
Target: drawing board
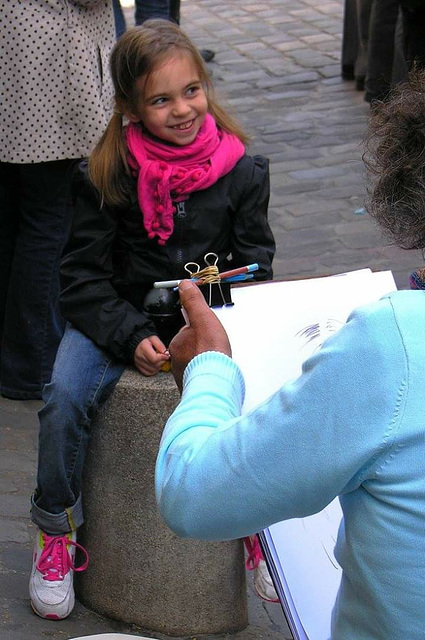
x=273 y=327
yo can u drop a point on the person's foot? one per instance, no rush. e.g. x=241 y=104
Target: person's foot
x=255 y=561
x=263 y=583
x=207 y=54
x=51 y=583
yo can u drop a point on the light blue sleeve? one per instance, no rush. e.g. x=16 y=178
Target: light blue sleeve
x=220 y=476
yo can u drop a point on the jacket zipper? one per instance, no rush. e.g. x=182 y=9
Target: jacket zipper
x=180 y=213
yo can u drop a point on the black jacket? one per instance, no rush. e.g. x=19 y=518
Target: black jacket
x=110 y=264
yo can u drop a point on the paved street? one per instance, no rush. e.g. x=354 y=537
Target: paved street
x=277 y=66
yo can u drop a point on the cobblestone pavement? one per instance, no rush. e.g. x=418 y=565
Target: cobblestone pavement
x=277 y=65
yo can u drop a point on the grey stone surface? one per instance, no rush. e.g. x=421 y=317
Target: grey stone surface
x=18 y=431
x=112 y=636
x=186 y=586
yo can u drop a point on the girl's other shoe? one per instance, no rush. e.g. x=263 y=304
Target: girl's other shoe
x=263 y=583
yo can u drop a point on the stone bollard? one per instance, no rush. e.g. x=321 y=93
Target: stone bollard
x=112 y=636
x=139 y=571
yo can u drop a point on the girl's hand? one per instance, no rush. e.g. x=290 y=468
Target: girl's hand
x=150 y=355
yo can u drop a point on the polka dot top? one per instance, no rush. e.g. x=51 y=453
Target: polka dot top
x=55 y=88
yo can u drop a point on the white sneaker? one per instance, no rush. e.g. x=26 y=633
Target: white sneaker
x=263 y=583
x=255 y=561
x=51 y=583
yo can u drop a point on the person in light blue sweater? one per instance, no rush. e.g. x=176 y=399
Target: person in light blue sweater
x=352 y=425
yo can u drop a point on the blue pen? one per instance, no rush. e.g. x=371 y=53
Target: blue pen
x=239 y=278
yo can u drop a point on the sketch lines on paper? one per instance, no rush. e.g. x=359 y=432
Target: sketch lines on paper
x=316 y=333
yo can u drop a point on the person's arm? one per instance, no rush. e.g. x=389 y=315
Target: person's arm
x=221 y=476
x=88 y=299
x=252 y=239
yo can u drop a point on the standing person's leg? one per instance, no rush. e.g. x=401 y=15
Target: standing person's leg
x=168 y=10
x=33 y=325
x=175 y=11
x=399 y=66
x=83 y=377
x=414 y=34
x=119 y=19
x=380 y=57
x=146 y=9
x=364 y=8
x=350 y=40
x=9 y=225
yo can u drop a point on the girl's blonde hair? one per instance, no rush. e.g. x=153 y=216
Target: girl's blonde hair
x=138 y=53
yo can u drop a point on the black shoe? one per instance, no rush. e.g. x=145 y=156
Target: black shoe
x=207 y=54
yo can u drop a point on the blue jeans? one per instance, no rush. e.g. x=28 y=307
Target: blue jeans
x=83 y=377
x=146 y=9
x=35 y=217
x=119 y=19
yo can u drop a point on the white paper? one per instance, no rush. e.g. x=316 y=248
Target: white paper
x=267 y=324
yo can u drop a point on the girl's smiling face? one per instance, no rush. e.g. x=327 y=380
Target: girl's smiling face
x=172 y=103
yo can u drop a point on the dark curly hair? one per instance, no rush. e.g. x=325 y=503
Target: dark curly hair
x=395 y=158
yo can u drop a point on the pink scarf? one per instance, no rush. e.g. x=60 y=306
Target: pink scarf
x=166 y=171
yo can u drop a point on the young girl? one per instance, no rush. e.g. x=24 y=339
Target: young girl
x=171 y=185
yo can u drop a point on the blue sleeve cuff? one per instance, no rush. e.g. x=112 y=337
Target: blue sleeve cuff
x=215 y=365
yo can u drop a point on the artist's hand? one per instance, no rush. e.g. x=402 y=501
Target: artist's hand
x=150 y=355
x=203 y=333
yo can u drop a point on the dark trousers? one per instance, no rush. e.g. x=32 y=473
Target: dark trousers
x=414 y=35
x=383 y=21
x=355 y=40
x=166 y=9
x=34 y=225
x=146 y=9
x=119 y=18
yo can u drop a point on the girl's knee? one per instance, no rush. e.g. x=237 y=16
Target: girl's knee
x=62 y=397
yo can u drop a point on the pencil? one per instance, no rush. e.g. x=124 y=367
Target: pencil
x=235 y=272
